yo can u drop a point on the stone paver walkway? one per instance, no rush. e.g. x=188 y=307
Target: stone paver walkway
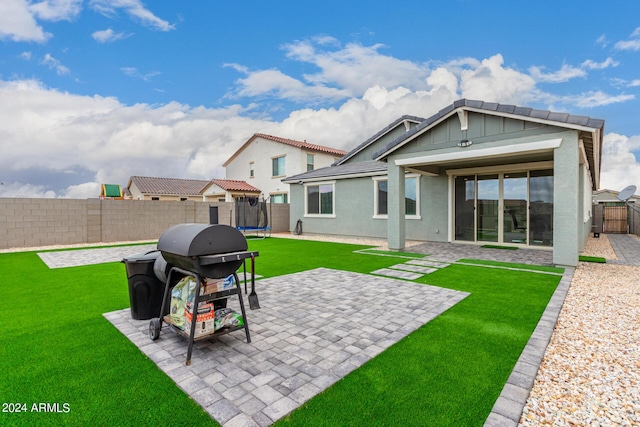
x=74 y=258
x=312 y=329
x=626 y=247
x=451 y=252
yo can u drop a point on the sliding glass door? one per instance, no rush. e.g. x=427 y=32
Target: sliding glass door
x=508 y=207
x=514 y=196
x=487 y=208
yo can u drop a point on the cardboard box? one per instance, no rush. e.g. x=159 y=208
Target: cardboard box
x=218 y=285
x=205 y=319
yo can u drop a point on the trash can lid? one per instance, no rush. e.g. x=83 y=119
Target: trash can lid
x=142 y=257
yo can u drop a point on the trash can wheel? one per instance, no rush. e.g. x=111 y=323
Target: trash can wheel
x=154 y=329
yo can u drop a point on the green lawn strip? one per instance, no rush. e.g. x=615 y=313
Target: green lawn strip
x=511 y=265
x=509 y=248
x=397 y=254
x=585 y=258
x=57 y=346
x=451 y=371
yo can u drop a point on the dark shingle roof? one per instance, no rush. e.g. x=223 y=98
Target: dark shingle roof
x=370 y=167
x=525 y=113
x=386 y=129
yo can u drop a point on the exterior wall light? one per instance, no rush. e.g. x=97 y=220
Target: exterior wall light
x=465 y=143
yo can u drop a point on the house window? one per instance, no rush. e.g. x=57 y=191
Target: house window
x=277 y=166
x=280 y=198
x=309 y=162
x=155 y=198
x=320 y=199
x=411 y=197
x=251 y=172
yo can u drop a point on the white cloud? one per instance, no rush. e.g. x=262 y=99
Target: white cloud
x=491 y=81
x=276 y=84
x=564 y=74
x=56 y=10
x=54 y=64
x=133 y=72
x=134 y=8
x=356 y=67
x=108 y=35
x=18 y=24
x=17 y=189
x=590 y=99
x=592 y=65
x=105 y=141
x=26 y=56
x=633 y=44
x=620 y=162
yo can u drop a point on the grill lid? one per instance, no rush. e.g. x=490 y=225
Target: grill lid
x=194 y=240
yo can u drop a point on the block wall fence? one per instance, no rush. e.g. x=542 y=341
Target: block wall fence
x=28 y=222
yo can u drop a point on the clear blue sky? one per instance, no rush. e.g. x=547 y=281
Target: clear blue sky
x=96 y=91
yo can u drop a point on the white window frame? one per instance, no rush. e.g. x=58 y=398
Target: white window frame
x=313 y=162
x=283 y=173
x=377 y=179
x=333 y=199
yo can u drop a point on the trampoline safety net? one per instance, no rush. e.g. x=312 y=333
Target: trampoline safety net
x=251 y=214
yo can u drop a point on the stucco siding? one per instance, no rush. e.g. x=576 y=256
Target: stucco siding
x=567 y=219
x=355 y=211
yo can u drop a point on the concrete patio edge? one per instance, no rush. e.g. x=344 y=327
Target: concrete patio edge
x=510 y=404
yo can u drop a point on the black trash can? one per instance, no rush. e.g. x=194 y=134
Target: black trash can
x=145 y=289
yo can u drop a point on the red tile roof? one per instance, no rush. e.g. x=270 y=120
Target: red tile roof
x=235 y=185
x=300 y=144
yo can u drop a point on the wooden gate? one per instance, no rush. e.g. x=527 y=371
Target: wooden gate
x=615 y=219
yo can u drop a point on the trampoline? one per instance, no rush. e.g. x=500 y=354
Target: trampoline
x=252 y=216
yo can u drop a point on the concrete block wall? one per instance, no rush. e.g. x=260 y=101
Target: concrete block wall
x=42 y=222
x=46 y=222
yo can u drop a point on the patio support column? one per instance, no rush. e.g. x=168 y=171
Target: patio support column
x=566 y=187
x=395 y=206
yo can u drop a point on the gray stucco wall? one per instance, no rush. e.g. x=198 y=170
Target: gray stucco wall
x=567 y=218
x=355 y=211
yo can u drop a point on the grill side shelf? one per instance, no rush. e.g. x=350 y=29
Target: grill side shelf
x=228 y=257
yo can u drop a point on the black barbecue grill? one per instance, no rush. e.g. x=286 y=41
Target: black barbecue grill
x=204 y=251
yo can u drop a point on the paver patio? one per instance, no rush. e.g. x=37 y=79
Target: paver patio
x=312 y=329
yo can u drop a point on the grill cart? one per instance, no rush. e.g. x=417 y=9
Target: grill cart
x=203 y=252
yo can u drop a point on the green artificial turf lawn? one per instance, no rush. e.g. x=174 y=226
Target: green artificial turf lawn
x=58 y=348
x=508 y=248
x=585 y=258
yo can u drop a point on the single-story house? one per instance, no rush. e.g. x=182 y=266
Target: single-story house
x=475 y=173
x=177 y=189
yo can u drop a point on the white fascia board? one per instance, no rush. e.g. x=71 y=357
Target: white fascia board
x=467 y=154
x=336 y=177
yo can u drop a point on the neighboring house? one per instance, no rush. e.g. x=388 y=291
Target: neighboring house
x=475 y=172
x=264 y=160
x=215 y=190
x=610 y=198
x=612 y=215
